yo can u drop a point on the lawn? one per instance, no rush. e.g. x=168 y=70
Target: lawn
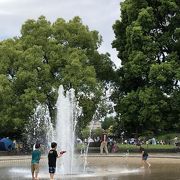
x=149 y=147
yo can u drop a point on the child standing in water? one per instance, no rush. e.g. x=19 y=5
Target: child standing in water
x=144 y=157
x=52 y=156
x=36 y=155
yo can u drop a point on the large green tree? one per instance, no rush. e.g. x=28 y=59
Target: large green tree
x=43 y=57
x=148 y=44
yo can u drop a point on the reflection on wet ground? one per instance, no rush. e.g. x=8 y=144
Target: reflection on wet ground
x=112 y=168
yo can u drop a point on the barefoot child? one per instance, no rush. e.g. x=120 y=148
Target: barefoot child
x=52 y=156
x=144 y=157
x=36 y=155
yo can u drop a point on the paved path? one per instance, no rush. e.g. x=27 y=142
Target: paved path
x=110 y=155
x=152 y=155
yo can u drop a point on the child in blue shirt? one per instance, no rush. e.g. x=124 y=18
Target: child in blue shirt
x=36 y=155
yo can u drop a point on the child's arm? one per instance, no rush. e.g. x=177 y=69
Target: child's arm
x=61 y=153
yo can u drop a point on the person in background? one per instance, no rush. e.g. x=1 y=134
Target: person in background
x=144 y=156
x=175 y=140
x=110 y=144
x=153 y=140
x=15 y=147
x=36 y=155
x=52 y=157
x=115 y=147
x=104 y=141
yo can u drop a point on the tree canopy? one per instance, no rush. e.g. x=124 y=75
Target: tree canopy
x=147 y=90
x=45 y=56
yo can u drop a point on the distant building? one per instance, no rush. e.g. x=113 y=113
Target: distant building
x=96 y=125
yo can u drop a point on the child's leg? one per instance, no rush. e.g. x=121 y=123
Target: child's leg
x=51 y=176
x=32 y=171
x=36 y=175
x=149 y=165
x=36 y=171
x=142 y=164
x=52 y=171
x=33 y=175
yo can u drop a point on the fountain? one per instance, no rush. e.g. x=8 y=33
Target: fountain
x=89 y=167
x=41 y=129
x=67 y=112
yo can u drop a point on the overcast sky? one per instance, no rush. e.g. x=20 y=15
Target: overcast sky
x=99 y=15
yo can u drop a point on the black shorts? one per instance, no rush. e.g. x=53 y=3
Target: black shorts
x=144 y=158
x=52 y=170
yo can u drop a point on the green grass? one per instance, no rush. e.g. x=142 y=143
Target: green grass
x=158 y=146
x=149 y=146
x=169 y=136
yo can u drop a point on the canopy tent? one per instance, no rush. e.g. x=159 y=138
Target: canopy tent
x=6 y=144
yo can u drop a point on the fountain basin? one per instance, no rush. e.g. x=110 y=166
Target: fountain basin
x=112 y=167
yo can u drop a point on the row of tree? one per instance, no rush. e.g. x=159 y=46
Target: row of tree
x=146 y=86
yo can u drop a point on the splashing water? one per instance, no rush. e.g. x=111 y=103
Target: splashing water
x=87 y=148
x=67 y=113
x=40 y=129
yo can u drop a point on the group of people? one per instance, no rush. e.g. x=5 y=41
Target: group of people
x=52 y=156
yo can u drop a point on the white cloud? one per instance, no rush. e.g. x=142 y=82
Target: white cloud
x=97 y=14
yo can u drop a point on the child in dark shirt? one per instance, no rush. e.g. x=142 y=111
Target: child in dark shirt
x=52 y=156
x=144 y=157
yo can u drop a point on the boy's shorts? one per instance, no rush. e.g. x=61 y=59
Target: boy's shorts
x=52 y=170
x=144 y=158
x=35 y=168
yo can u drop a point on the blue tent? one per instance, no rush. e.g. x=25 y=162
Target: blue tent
x=6 y=144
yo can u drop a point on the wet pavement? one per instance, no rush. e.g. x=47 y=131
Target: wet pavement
x=117 y=167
